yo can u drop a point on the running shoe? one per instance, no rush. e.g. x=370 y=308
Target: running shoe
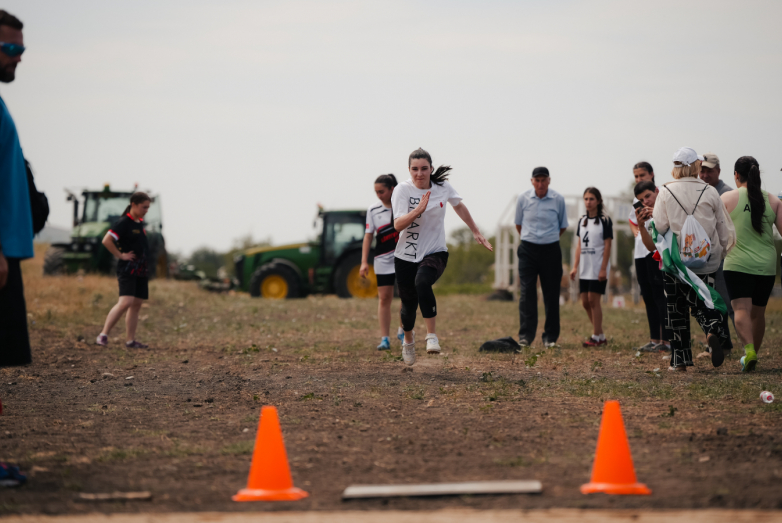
x=524 y=343
x=432 y=344
x=715 y=346
x=680 y=368
x=592 y=342
x=384 y=344
x=102 y=340
x=10 y=476
x=551 y=345
x=749 y=361
x=400 y=334
x=662 y=347
x=136 y=345
x=649 y=347
x=408 y=352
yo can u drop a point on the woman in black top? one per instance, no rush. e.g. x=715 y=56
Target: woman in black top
x=127 y=241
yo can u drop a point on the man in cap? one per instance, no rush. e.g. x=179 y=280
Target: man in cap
x=710 y=173
x=541 y=218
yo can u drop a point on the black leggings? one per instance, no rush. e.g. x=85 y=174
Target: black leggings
x=414 y=281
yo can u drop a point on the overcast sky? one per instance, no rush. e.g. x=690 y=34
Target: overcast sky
x=244 y=115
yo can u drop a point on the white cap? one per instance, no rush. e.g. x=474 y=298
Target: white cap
x=686 y=156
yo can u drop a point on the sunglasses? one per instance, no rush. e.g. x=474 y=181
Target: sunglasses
x=12 y=50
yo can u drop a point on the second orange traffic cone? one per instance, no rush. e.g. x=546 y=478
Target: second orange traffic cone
x=270 y=476
x=613 y=471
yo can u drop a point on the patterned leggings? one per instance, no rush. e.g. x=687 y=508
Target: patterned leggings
x=681 y=299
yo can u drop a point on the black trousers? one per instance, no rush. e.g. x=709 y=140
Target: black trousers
x=681 y=300
x=650 y=279
x=544 y=261
x=14 y=338
x=414 y=281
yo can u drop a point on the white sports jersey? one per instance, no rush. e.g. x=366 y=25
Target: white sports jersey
x=640 y=250
x=379 y=220
x=426 y=235
x=592 y=238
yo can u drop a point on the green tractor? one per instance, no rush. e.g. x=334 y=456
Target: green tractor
x=100 y=209
x=327 y=265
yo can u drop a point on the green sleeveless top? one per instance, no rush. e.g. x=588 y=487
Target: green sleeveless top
x=754 y=253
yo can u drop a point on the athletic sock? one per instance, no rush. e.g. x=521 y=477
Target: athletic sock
x=749 y=347
x=602 y=337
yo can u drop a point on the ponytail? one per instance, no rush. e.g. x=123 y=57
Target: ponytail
x=748 y=170
x=594 y=191
x=440 y=175
x=389 y=180
x=137 y=198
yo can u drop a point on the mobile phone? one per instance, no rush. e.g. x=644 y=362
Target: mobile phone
x=638 y=205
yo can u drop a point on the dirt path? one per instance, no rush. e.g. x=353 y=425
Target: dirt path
x=443 y=516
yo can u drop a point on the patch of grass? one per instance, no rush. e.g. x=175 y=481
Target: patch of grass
x=613 y=388
x=120 y=454
x=415 y=393
x=242 y=447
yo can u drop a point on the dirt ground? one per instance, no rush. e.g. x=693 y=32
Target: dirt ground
x=179 y=419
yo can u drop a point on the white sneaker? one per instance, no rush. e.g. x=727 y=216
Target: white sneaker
x=408 y=351
x=432 y=344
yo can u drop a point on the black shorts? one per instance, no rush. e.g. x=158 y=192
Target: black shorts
x=595 y=286
x=385 y=280
x=133 y=286
x=743 y=285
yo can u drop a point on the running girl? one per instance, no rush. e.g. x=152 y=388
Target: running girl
x=380 y=220
x=593 y=252
x=132 y=251
x=421 y=255
x=751 y=267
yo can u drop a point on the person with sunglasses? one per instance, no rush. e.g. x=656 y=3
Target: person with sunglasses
x=16 y=224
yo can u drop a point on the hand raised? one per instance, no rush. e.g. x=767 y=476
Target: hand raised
x=421 y=207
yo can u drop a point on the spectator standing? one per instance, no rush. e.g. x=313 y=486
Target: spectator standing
x=644 y=262
x=16 y=223
x=541 y=218
x=710 y=173
x=592 y=264
x=688 y=195
x=751 y=267
x=646 y=192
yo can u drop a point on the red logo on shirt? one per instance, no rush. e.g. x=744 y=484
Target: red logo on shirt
x=441 y=204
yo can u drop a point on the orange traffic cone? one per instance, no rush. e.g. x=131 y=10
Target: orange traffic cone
x=613 y=471
x=270 y=476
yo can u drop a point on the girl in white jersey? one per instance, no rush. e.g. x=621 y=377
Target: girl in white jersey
x=593 y=252
x=421 y=254
x=381 y=221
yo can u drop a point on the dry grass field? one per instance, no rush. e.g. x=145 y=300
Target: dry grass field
x=179 y=419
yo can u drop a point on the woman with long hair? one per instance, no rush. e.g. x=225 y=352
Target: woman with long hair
x=127 y=241
x=689 y=196
x=595 y=233
x=380 y=223
x=421 y=255
x=751 y=267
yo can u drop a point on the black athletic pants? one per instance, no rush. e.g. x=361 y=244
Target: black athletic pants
x=654 y=279
x=14 y=338
x=650 y=279
x=681 y=299
x=414 y=281
x=544 y=261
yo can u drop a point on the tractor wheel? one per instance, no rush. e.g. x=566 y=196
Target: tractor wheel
x=53 y=261
x=274 y=281
x=349 y=284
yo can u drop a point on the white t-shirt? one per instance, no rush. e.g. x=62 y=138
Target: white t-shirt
x=640 y=249
x=426 y=235
x=592 y=237
x=379 y=219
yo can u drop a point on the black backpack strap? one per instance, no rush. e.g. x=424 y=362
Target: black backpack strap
x=699 y=199
x=677 y=200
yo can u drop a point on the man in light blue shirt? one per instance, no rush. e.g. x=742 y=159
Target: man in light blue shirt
x=541 y=218
x=16 y=223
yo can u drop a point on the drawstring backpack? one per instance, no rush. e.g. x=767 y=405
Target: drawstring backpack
x=694 y=243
